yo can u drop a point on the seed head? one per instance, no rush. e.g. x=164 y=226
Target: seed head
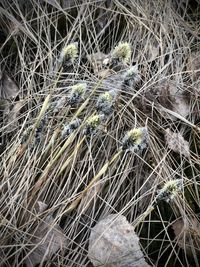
x=25 y=135
x=69 y=52
x=70 y=127
x=105 y=102
x=92 y=124
x=135 y=140
x=170 y=190
x=122 y=52
x=40 y=129
x=77 y=93
x=131 y=76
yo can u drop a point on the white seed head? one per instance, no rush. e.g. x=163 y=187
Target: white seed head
x=69 y=52
x=170 y=190
x=105 y=102
x=70 y=127
x=122 y=52
x=77 y=93
x=135 y=140
x=92 y=124
x=131 y=76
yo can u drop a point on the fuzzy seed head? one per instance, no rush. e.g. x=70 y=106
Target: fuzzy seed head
x=93 y=121
x=77 y=93
x=92 y=124
x=135 y=139
x=122 y=52
x=107 y=96
x=69 y=52
x=105 y=102
x=131 y=76
x=79 y=88
x=70 y=127
x=170 y=190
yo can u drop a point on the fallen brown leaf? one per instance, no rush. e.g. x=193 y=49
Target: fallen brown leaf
x=188 y=235
x=170 y=96
x=8 y=88
x=177 y=143
x=11 y=116
x=193 y=65
x=47 y=238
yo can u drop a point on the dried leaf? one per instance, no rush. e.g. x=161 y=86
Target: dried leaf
x=188 y=235
x=170 y=96
x=4 y=105
x=176 y=99
x=47 y=238
x=11 y=116
x=193 y=65
x=114 y=243
x=104 y=73
x=8 y=88
x=177 y=143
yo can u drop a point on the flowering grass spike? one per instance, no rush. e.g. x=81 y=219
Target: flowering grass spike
x=92 y=124
x=131 y=76
x=170 y=190
x=70 y=127
x=69 y=53
x=77 y=93
x=135 y=140
x=105 y=102
x=122 y=52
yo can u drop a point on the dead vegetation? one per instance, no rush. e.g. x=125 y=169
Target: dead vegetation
x=87 y=130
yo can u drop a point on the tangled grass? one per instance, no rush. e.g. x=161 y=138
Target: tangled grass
x=84 y=175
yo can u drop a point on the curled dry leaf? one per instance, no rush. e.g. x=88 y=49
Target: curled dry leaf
x=114 y=243
x=177 y=143
x=104 y=73
x=11 y=116
x=187 y=234
x=175 y=99
x=193 y=65
x=8 y=88
x=169 y=95
x=47 y=238
x=4 y=105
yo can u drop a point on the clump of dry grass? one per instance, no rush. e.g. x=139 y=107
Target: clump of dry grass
x=76 y=179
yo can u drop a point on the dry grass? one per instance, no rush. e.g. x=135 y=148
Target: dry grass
x=83 y=179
